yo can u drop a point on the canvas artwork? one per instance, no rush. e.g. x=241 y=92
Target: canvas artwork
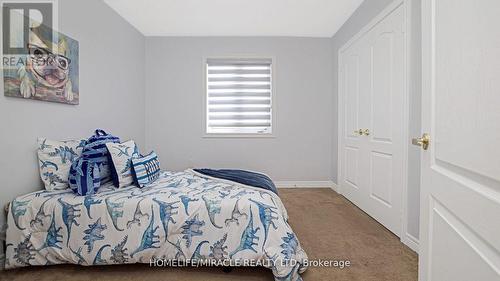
x=48 y=71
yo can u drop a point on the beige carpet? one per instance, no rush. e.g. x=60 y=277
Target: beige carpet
x=327 y=225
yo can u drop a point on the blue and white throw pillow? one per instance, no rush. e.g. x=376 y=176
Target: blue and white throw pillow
x=146 y=169
x=54 y=161
x=121 y=156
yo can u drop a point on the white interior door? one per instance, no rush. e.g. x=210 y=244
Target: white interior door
x=372 y=73
x=460 y=193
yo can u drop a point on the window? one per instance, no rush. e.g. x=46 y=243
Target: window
x=239 y=96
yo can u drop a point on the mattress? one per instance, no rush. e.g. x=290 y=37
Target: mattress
x=183 y=216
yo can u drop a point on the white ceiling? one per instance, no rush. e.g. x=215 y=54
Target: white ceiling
x=308 y=18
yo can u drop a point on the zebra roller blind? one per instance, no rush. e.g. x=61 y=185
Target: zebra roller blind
x=239 y=96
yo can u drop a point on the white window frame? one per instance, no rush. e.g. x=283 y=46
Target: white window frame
x=271 y=133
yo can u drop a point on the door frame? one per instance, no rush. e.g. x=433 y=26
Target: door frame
x=405 y=237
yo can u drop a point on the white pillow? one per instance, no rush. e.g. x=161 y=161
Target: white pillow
x=54 y=161
x=121 y=155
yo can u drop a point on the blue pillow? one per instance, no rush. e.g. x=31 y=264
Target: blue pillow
x=146 y=169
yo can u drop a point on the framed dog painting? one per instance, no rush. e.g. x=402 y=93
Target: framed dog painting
x=48 y=71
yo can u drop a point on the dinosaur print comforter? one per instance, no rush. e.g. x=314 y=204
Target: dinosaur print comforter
x=183 y=216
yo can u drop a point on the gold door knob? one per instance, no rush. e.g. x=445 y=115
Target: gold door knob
x=366 y=132
x=358 y=132
x=423 y=141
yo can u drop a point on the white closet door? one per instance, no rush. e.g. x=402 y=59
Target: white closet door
x=373 y=73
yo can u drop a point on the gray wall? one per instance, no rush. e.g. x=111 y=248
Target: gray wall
x=111 y=88
x=302 y=146
x=170 y=85
x=363 y=15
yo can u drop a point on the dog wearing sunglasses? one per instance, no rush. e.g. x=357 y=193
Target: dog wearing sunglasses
x=46 y=66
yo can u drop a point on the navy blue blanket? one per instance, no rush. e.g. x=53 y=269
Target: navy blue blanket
x=241 y=176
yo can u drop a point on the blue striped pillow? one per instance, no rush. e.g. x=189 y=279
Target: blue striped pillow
x=146 y=169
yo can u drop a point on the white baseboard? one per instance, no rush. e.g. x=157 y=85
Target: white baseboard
x=335 y=187
x=410 y=241
x=305 y=184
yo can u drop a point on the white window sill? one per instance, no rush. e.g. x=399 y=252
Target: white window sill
x=238 y=136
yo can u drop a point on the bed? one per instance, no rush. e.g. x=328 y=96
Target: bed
x=184 y=216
